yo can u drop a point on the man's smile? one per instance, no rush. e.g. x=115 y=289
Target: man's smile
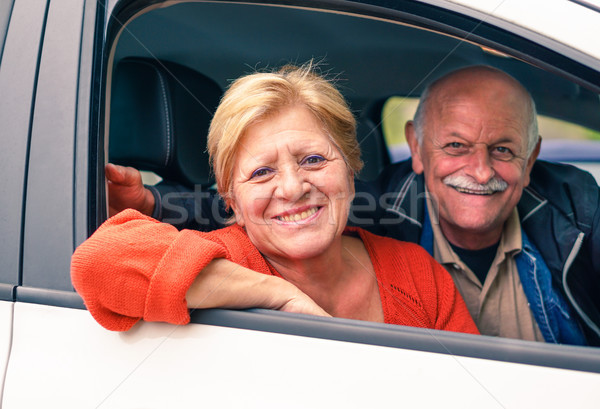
x=483 y=192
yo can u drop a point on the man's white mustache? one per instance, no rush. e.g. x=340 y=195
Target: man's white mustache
x=495 y=184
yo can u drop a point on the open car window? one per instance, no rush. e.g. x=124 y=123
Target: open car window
x=562 y=141
x=380 y=64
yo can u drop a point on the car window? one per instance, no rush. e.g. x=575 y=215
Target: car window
x=369 y=58
x=562 y=140
x=396 y=111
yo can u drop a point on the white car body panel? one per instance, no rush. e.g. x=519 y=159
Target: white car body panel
x=227 y=367
x=564 y=21
x=6 y=321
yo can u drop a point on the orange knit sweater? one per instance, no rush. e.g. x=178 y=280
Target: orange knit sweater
x=135 y=267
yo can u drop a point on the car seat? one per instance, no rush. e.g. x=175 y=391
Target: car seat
x=159 y=118
x=374 y=151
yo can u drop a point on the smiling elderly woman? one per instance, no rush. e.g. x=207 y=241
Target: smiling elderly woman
x=284 y=152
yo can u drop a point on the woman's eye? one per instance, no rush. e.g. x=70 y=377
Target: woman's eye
x=260 y=172
x=312 y=160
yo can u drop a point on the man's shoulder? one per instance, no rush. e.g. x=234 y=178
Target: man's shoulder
x=565 y=186
x=547 y=176
x=571 y=190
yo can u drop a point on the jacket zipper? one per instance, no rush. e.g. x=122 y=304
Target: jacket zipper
x=570 y=258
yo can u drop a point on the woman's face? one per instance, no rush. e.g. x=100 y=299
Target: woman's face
x=291 y=187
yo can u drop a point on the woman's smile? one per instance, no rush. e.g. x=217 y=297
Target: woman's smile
x=302 y=215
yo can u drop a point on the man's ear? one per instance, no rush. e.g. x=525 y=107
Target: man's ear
x=415 y=149
x=531 y=160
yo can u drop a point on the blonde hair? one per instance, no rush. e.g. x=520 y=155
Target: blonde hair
x=254 y=97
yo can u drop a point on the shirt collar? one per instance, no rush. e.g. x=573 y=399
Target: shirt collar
x=510 y=241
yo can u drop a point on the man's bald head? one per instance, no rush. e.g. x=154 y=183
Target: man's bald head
x=480 y=80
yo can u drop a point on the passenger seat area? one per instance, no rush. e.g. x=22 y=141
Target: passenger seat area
x=159 y=118
x=374 y=152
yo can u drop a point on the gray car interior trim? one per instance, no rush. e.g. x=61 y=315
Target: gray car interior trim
x=55 y=298
x=6 y=292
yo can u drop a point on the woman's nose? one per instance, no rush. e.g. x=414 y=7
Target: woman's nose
x=292 y=185
x=480 y=165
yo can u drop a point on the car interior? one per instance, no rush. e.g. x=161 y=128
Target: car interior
x=169 y=66
x=161 y=113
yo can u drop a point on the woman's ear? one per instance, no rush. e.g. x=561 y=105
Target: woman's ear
x=238 y=217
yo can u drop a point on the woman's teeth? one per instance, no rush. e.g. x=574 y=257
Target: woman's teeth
x=298 y=216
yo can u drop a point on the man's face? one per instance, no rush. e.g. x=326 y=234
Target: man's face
x=474 y=157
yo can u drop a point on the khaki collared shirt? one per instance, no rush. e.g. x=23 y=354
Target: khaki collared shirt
x=499 y=307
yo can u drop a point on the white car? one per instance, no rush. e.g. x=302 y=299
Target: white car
x=83 y=81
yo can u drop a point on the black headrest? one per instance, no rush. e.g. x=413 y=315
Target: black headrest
x=374 y=151
x=159 y=118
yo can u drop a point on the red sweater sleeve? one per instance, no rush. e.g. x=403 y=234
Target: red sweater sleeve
x=135 y=267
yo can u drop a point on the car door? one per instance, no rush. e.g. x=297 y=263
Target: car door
x=60 y=357
x=40 y=115
x=20 y=29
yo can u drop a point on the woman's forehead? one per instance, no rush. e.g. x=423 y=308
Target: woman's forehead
x=285 y=142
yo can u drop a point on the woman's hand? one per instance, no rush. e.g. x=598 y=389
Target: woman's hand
x=302 y=304
x=224 y=284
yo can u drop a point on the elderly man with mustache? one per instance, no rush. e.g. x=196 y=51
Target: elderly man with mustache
x=525 y=256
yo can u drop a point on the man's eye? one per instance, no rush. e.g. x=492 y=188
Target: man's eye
x=502 y=153
x=312 y=160
x=260 y=173
x=456 y=148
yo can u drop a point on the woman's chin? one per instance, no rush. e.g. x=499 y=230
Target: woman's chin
x=300 y=247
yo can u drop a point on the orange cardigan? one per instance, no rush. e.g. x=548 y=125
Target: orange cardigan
x=135 y=267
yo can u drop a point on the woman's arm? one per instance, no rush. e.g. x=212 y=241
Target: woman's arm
x=134 y=267
x=225 y=284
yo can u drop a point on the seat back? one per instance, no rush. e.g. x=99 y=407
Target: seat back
x=159 y=118
x=374 y=152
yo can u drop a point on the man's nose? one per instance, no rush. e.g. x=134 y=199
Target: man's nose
x=292 y=185
x=480 y=165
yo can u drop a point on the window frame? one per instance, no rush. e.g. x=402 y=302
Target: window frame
x=443 y=19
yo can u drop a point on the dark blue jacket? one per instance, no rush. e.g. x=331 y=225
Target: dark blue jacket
x=560 y=217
